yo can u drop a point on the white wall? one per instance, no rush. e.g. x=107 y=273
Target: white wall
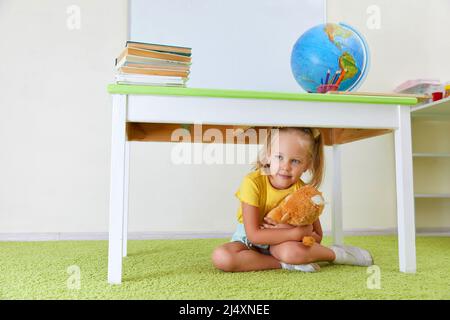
x=411 y=41
x=236 y=44
x=55 y=124
x=56 y=113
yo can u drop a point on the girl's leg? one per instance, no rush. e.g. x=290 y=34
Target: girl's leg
x=236 y=256
x=294 y=252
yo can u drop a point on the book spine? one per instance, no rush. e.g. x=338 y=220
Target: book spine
x=173 y=67
x=159 y=47
x=156 y=72
x=157 y=55
x=162 y=50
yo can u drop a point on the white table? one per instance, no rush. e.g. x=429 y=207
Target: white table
x=146 y=113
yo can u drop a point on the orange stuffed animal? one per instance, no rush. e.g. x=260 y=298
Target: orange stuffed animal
x=300 y=208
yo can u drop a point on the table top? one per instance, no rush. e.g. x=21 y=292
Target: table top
x=246 y=94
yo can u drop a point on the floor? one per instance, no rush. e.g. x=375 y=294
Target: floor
x=182 y=269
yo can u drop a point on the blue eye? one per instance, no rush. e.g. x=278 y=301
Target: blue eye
x=295 y=161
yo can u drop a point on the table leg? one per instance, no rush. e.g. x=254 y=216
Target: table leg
x=125 y=199
x=116 y=206
x=336 y=222
x=405 y=192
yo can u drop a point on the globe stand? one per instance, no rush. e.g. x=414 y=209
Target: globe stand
x=324 y=88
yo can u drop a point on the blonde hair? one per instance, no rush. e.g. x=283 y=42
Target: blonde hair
x=315 y=151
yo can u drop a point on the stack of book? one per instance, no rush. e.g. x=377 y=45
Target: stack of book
x=153 y=64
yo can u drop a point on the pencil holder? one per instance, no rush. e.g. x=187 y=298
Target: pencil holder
x=324 y=88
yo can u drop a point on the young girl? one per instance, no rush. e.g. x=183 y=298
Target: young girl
x=259 y=243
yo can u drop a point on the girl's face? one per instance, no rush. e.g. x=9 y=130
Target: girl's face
x=289 y=159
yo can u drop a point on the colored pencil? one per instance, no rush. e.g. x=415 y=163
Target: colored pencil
x=328 y=76
x=335 y=76
x=338 y=82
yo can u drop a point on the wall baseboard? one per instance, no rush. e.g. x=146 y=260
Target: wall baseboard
x=60 y=236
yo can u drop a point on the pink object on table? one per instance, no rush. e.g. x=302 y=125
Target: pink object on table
x=418 y=86
x=324 y=88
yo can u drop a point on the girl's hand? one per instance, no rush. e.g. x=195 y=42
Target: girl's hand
x=271 y=224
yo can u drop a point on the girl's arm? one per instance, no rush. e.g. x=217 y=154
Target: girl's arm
x=269 y=236
x=317 y=231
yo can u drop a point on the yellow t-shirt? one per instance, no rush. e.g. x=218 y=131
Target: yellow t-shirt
x=256 y=190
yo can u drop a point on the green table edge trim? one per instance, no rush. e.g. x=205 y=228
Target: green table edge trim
x=244 y=94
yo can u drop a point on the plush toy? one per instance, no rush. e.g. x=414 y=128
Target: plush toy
x=300 y=208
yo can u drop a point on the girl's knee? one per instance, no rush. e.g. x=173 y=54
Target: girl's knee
x=223 y=259
x=295 y=255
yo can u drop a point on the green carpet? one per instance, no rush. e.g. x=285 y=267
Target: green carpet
x=182 y=269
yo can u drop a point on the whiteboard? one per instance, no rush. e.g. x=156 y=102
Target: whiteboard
x=235 y=44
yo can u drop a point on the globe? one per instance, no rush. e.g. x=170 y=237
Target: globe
x=330 y=57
